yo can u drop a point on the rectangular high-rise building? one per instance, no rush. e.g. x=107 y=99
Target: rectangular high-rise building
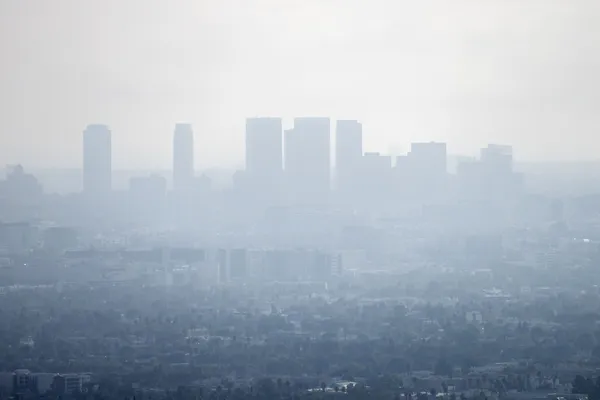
x=498 y=158
x=348 y=154
x=428 y=171
x=97 y=160
x=373 y=183
x=501 y=182
x=264 y=148
x=308 y=161
x=183 y=157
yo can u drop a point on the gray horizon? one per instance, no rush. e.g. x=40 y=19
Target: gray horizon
x=466 y=73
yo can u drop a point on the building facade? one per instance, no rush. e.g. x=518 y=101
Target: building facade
x=308 y=161
x=264 y=161
x=97 y=160
x=183 y=157
x=348 y=155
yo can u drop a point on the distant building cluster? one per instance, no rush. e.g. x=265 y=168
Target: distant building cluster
x=320 y=270
x=294 y=168
x=24 y=382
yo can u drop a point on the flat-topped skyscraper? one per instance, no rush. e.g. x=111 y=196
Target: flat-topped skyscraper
x=264 y=147
x=428 y=171
x=97 y=160
x=348 y=155
x=308 y=161
x=264 y=160
x=183 y=157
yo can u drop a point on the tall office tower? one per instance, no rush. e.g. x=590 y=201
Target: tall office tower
x=307 y=161
x=489 y=186
x=348 y=156
x=375 y=181
x=97 y=160
x=429 y=171
x=498 y=158
x=501 y=183
x=183 y=157
x=264 y=146
x=264 y=157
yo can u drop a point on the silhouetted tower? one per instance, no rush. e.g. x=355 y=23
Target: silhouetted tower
x=97 y=160
x=348 y=155
x=183 y=157
x=428 y=171
x=264 y=162
x=264 y=146
x=307 y=161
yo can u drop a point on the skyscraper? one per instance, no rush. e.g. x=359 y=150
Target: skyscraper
x=97 y=160
x=498 y=158
x=501 y=182
x=428 y=171
x=264 y=162
x=307 y=161
x=264 y=148
x=348 y=155
x=372 y=184
x=377 y=168
x=183 y=157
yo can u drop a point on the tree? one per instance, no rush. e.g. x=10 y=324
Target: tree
x=585 y=342
x=445 y=387
x=586 y=386
x=596 y=352
x=397 y=365
x=266 y=387
x=443 y=367
x=536 y=334
x=288 y=387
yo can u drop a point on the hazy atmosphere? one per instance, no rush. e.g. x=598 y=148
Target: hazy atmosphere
x=300 y=200
x=468 y=73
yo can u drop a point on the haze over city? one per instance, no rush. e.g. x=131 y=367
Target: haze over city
x=463 y=72
x=299 y=200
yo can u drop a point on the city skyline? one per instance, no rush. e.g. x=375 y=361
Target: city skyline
x=311 y=165
x=265 y=147
x=307 y=163
x=467 y=74
x=349 y=128
x=300 y=200
x=204 y=160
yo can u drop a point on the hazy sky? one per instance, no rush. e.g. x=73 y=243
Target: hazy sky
x=521 y=72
